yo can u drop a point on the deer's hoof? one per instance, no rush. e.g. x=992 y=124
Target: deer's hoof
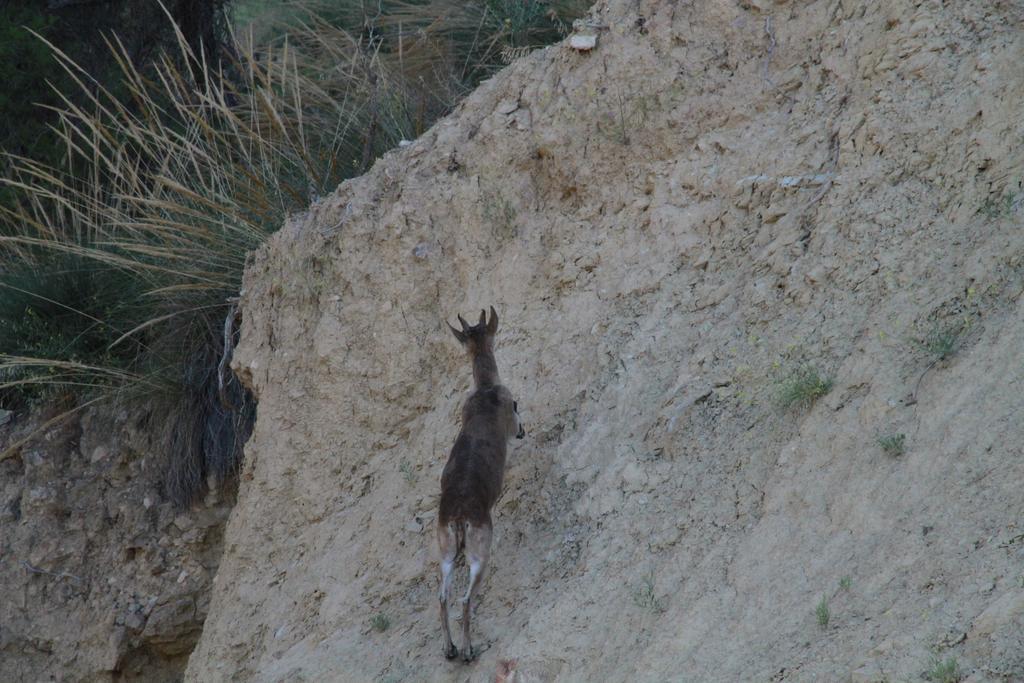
x=468 y=654
x=451 y=652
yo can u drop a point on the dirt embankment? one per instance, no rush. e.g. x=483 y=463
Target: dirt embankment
x=719 y=193
x=101 y=578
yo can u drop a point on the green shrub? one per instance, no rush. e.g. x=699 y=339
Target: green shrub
x=380 y=622
x=802 y=387
x=893 y=445
x=822 y=613
x=941 y=342
x=947 y=671
x=645 y=597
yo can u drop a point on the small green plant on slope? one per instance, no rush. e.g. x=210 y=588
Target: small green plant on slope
x=893 y=445
x=822 y=613
x=645 y=597
x=380 y=622
x=626 y=115
x=947 y=671
x=941 y=342
x=802 y=387
x=499 y=213
x=999 y=205
x=845 y=583
x=407 y=472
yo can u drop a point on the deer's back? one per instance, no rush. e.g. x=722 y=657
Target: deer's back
x=471 y=481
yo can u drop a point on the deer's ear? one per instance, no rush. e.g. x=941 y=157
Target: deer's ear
x=461 y=336
x=492 y=325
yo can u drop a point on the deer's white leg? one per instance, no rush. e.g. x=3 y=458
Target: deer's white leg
x=448 y=545
x=447 y=568
x=475 y=569
x=478 y=548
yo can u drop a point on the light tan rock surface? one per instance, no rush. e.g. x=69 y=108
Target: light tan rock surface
x=666 y=225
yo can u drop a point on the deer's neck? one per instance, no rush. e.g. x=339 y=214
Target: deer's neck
x=485 y=369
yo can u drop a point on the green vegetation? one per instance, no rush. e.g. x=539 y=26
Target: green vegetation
x=999 y=206
x=802 y=387
x=944 y=671
x=645 y=597
x=408 y=473
x=24 y=63
x=845 y=583
x=34 y=84
x=941 y=342
x=822 y=613
x=893 y=445
x=122 y=262
x=380 y=622
x=500 y=214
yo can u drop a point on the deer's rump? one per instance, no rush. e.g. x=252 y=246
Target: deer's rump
x=471 y=481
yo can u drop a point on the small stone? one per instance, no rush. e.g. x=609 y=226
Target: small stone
x=135 y=621
x=507 y=106
x=583 y=42
x=184 y=522
x=99 y=453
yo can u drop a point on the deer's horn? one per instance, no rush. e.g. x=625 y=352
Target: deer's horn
x=465 y=325
x=483 y=318
x=492 y=326
x=461 y=336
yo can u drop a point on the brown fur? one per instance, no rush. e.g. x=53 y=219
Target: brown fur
x=472 y=478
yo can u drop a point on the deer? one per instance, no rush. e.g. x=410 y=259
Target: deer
x=472 y=478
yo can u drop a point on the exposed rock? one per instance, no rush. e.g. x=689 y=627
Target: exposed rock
x=80 y=558
x=173 y=627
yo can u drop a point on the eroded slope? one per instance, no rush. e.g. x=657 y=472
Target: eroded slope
x=717 y=194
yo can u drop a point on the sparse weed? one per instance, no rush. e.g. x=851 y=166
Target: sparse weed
x=999 y=205
x=941 y=342
x=893 y=445
x=802 y=387
x=822 y=613
x=380 y=622
x=845 y=583
x=645 y=597
x=405 y=467
x=944 y=671
x=500 y=214
x=629 y=113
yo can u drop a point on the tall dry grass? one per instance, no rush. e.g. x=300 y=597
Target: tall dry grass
x=121 y=268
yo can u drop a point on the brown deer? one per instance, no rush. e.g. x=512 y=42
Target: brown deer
x=471 y=481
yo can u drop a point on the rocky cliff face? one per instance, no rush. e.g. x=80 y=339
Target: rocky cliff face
x=101 y=579
x=671 y=226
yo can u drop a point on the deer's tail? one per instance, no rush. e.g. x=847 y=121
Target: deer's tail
x=452 y=535
x=460 y=533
